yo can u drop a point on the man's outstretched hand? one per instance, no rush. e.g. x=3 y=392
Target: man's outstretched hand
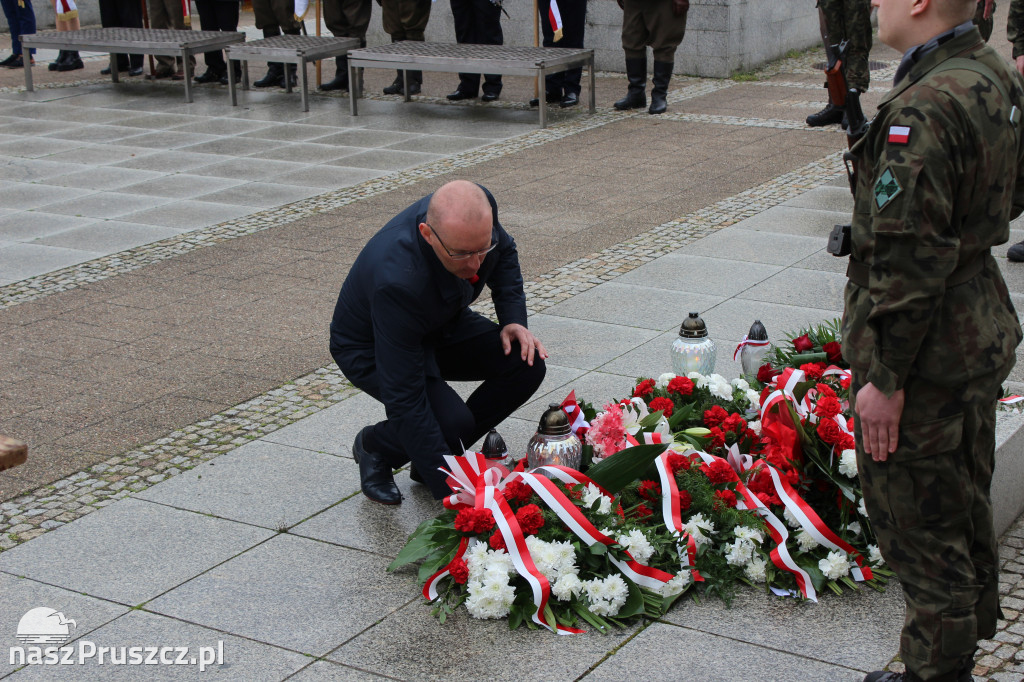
x=528 y=343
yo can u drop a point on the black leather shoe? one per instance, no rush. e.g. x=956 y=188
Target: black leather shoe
x=1016 y=253
x=52 y=66
x=17 y=63
x=273 y=77
x=137 y=71
x=375 y=477
x=415 y=87
x=105 y=71
x=209 y=77
x=394 y=89
x=489 y=97
x=340 y=82
x=459 y=95
x=830 y=115
x=10 y=60
x=571 y=99
x=549 y=97
x=73 y=63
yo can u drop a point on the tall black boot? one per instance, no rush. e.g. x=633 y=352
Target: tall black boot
x=636 y=72
x=52 y=66
x=415 y=82
x=274 y=77
x=293 y=78
x=72 y=62
x=659 y=91
x=340 y=81
x=830 y=115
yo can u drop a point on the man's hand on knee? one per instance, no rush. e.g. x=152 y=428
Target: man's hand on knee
x=528 y=343
x=879 y=421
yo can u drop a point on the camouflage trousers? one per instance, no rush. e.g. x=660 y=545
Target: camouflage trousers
x=851 y=20
x=931 y=507
x=984 y=25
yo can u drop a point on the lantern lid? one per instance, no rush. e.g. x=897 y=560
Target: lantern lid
x=494 y=446
x=693 y=327
x=757 y=332
x=554 y=421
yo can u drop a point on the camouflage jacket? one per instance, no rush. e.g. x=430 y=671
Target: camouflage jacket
x=936 y=189
x=1015 y=27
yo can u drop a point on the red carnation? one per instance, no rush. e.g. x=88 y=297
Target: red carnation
x=678 y=462
x=717 y=437
x=618 y=510
x=834 y=351
x=829 y=432
x=684 y=500
x=715 y=416
x=767 y=499
x=735 y=423
x=459 y=570
x=680 y=385
x=474 y=521
x=642 y=511
x=803 y=343
x=827 y=407
x=575 y=491
x=813 y=370
x=719 y=471
x=645 y=387
x=844 y=381
x=765 y=374
x=649 y=490
x=825 y=389
x=497 y=542
x=727 y=497
x=530 y=519
x=847 y=442
x=663 y=404
x=517 y=491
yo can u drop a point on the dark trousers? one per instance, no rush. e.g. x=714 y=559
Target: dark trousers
x=508 y=382
x=20 y=20
x=124 y=14
x=477 y=22
x=217 y=15
x=574 y=21
x=348 y=18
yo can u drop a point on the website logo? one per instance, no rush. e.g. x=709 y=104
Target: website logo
x=44 y=626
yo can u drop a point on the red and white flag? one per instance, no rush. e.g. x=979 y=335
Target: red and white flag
x=555 y=19
x=899 y=134
x=186 y=12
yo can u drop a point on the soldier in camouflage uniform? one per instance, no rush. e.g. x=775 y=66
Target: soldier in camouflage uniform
x=1015 y=33
x=845 y=20
x=929 y=329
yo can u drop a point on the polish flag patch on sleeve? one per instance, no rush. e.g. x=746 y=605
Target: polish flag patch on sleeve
x=899 y=134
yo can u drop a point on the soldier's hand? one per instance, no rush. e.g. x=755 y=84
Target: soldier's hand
x=680 y=7
x=879 y=418
x=529 y=345
x=1020 y=64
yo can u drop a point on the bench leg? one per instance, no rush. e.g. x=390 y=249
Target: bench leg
x=354 y=87
x=542 y=101
x=304 y=84
x=405 y=85
x=231 y=82
x=113 y=69
x=186 y=66
x=28 y=71
x=593 y=95
x=245 y=75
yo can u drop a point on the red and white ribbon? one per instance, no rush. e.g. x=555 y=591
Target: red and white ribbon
x=748 y=342
x=1011 y=399
x=577 y=423
x=671 y=512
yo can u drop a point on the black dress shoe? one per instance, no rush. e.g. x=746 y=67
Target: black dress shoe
x=210 y=76
x=829 y=115
x=458 y=95
x=135 y=71
x=10 y=59
x=395 y=88
x=376 y=479
x=105 y=71
x=549 y=97
x=1016 y=253
x=571 y=99
x=71 y=64
x=340 y=82
x=489 y=97
x=17 y=63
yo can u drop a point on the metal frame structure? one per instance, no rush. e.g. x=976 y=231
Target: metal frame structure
x=507 y=61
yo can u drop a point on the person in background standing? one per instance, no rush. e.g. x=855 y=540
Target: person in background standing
x=21 y=18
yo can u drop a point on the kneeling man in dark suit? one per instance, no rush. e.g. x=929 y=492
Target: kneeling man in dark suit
x=402 y=328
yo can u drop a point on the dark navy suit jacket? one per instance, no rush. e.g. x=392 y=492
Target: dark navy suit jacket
x=398 y=303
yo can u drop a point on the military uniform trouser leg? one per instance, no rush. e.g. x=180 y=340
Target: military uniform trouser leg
x=931 y=508
x=651 y=23
x=851 y=20
x=348 y=18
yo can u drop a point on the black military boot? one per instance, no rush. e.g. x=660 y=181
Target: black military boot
x=293 y=78
x=274 y=77
x=1016 y=253
x=636 y=72
x=340 y=81
x=52 y=66
x=72 y=62
x=396 y=86
x=415 y=82
x=659 y=91
x=830 y=115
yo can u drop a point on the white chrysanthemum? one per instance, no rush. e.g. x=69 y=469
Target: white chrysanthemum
x=875 y=555
x=676 y=585
x=663 y=380
x=748 y=533
x=740 y=552
x=636 y=544
x=835 y=565
x=854 y=527
x=567 y=586
x=740 y=384
x=755 y=570
x=862 y=508
x=697 y=526
x=591 y=494
x=806 y=541
x=606 y=596
x=753 y=397
x=480 y=560
x=698 y=379
x=552 y=559
x=848 y=463
x=791 y=520
x=720 y=387
x=489 y=600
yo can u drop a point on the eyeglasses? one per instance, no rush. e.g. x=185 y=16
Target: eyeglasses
x=461 y=255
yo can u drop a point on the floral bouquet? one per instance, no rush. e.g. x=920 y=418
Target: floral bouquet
x=816 y=344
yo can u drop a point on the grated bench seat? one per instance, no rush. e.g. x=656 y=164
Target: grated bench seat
x=289 y=49
x=133 y=41
x=499 y=59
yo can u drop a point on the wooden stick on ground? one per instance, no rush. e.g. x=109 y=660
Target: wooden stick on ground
x=12 y=452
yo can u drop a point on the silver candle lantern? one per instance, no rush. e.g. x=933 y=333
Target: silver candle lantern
x=554 y=442
x=693 y=351
x=755 y=347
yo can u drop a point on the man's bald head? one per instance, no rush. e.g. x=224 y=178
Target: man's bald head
x=957 y=11
x=459 y=221
x=459 y=202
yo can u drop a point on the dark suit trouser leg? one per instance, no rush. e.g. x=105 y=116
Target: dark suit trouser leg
x=115 y=13
x=477 y=22
x=215 y=15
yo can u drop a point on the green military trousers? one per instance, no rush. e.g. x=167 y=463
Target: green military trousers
x=851 y=20
x=654 y=23
x=931 y=507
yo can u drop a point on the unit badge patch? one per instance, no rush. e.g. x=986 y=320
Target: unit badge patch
x=886 y=188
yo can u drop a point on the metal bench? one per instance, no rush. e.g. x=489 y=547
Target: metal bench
x=133 y=41
x=12 y=452
x=299 y=50
x=507 y=61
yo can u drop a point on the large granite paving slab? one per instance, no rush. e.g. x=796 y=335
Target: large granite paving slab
x=710 y=276
x=744 y=247
x=583 y=344
x=633 y=305
x=131 y=551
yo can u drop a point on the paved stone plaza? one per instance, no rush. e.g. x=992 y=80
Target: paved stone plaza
x=167 y=274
